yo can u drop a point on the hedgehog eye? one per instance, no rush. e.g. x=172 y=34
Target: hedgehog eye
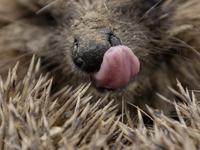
x=152 y=3
x=114 y=40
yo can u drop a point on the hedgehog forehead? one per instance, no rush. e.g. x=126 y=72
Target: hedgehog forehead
x=90 y=22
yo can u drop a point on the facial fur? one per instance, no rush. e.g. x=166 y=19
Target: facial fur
x=73 y=36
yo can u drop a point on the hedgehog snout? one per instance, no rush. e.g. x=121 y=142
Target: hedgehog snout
x=88 y=49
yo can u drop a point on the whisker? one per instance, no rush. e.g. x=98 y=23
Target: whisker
x=14 y=21
x=46 y=7
x=49 y=64
x=113 y=17
x=150 y=10
x=16 y=58
x=191 y=48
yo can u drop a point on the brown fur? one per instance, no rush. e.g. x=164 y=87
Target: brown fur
x=166 y=39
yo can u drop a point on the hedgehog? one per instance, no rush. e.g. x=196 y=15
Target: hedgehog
x=129 y=50
x=32 y=118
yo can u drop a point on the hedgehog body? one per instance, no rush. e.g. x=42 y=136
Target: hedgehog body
x=71 y=38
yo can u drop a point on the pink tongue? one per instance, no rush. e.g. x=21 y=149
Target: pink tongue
x=118 y=67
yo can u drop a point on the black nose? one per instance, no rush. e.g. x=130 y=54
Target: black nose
x=88 y=49
x=79 y=62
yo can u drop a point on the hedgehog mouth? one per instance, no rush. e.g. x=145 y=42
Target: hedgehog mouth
x=118 y=67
